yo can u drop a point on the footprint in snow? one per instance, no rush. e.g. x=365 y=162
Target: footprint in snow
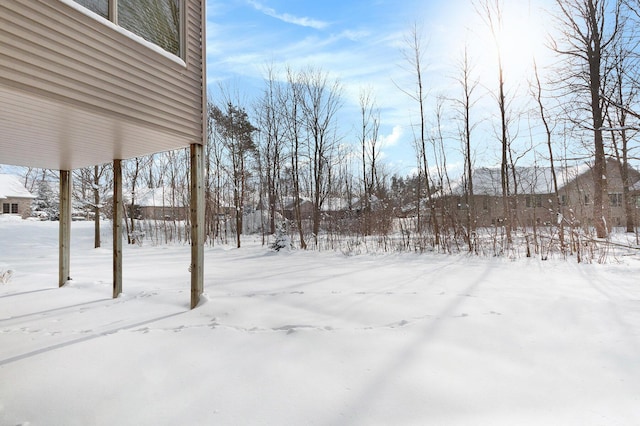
x=401 y=323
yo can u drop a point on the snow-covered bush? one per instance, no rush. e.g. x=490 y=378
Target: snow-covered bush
x=282 y=237
x=46 y=204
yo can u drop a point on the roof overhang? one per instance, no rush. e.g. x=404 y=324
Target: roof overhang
x=54 y=134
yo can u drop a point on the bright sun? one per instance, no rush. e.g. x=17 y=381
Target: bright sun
x=520 y=38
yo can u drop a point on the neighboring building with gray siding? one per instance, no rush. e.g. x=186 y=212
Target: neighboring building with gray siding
x=533 y=201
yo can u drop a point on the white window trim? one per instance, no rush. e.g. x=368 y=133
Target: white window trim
x=159 y=50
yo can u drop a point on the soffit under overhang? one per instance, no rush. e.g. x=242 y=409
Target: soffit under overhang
x=47 y=133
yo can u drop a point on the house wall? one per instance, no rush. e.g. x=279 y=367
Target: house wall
x=576 y=199
x=579 y=196
x=527 y=210
x=24 y=206
x=163 y=213
x=94 y=86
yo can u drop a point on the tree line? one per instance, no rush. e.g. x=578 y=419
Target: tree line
x=284 y=157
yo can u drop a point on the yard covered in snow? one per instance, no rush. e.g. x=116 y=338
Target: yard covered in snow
x=313 y=338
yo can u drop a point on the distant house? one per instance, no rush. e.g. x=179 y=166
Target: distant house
x=533 y=199
x=334 y=207
x=15 y=198
x=161 y=203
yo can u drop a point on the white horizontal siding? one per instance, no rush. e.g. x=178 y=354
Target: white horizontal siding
x=93 y=76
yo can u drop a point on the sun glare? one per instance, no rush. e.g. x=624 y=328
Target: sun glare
x=519 y=40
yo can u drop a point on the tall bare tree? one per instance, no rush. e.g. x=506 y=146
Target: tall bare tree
x=269 y=119
x=91 y=184
x=413 y=54
x=321 y=101
x=99 y=175
x=463 y=105
x=589 y=30
x=491 y=11
x=621 y=96
x=370 y=125
x=291 y=100
x=133 y=170
x=537 y=92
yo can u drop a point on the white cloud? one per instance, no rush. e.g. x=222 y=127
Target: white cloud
x=288 y=18
x=393 y=138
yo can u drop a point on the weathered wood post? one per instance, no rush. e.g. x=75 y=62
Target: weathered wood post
x=64 y=253
x=197 y=223
x=117 y=228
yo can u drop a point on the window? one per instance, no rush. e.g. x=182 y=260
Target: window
x=9 y=208
x=615 y=199
x=534 y=200
x=101 y=7
x=157 y=21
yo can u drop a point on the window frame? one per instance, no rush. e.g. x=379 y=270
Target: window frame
x=616 y=199
x=533 y=200
x=10 y=208
x=485 y=203
x=182 y=30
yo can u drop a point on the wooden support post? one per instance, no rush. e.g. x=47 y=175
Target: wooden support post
x=117 y=228
x=197 y=223
x=197 y=191
x=64 y=254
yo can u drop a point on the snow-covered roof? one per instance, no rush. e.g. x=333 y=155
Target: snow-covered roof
x=159 y=197
x=12 y=187
x=330 y=203
x=531 y=180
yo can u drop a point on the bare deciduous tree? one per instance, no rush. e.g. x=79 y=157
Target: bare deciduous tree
x=491 y=11
x=621 y=96
x=463 y=106
x=414 y=56
x=370 y=125
x=320 y=103
x=537 y=92
x=270 y=121
x=589 y=30
x=291 y=101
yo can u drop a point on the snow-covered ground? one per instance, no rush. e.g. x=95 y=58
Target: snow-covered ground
x=308 y=338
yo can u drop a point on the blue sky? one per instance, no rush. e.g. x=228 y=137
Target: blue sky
x=359 y=42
